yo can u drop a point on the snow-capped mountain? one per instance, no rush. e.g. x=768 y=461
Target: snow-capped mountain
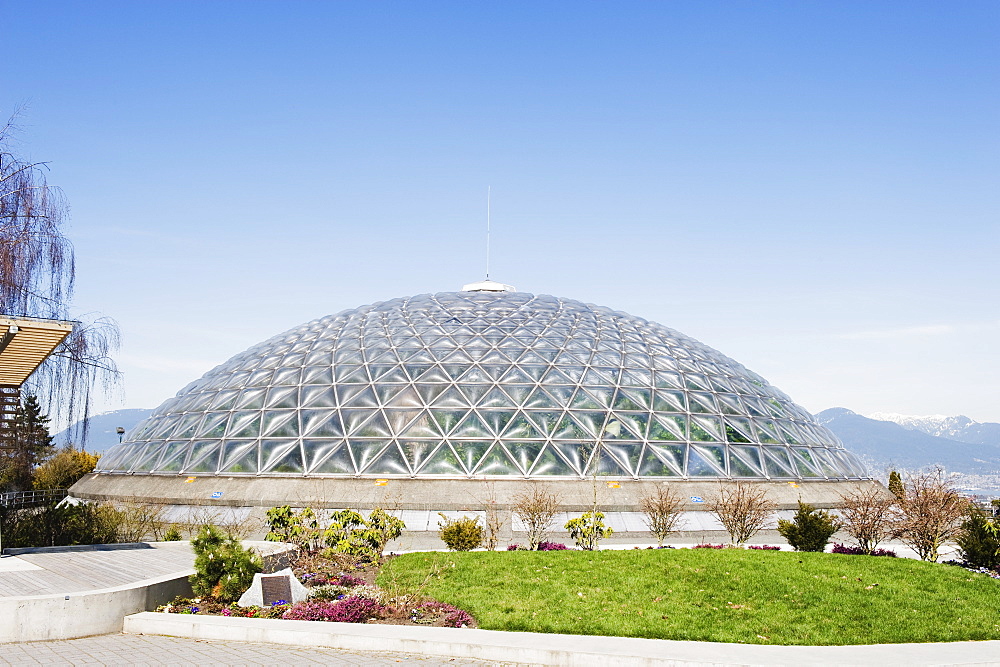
x=959 y=428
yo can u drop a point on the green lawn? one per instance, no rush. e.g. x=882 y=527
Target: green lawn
x=731 y=595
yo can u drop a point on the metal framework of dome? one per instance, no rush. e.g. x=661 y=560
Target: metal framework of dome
x=487 y=382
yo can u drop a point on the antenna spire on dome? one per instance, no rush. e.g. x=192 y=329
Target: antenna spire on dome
x=488 y=286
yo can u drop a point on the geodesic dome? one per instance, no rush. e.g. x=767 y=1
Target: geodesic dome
x=483 y=383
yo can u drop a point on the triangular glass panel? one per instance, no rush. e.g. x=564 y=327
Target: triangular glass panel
x=281 y=456
x=474 y=392
x=777 y=463
x=239 y=457
x=351 y=374
x=792 y=436
x=442 y=461
x=768 y=432
x=534 y=372
x=549 y=463
x=668 y=427
x=577 y=454
x=360 y=399
x=729 y=404
x=280 y=424
x=375 y=427
x=204 y=456
x=531 y=357
x=251 y=398
x=322 y=423
x=626 y=454
x=328 y=457
x=674 y=456
x=547 y=422
x=394 y=375
x=146 y=460
x=470 y=453
x=322 y=375
x=406 y=396
x=735 y=434
x=390 y=462
x=744 y=458
x=353 y=419
x=455 y=371
x=624 y=401
x=706 y=429
x=496 y=420
x=245 y=424
x=446 y=421
x=603 y=395
x=592 y=423
x=521 y=427
x=494 y=357
x=422 y=427
x=517 y=376
x=472 y=426
x=523 y=453
x=667 y=380
x=518 y=393
x=495 y=398
x=584 y=401
x=714 y=454
x=539 y=399
x=214 y=425
x=603 y=463
x=698 y=466
x=702 y=403
x=496 y=462
x=318 y=396
x=434 y=374
x=635 y=423
x=365 y=451
x=282 y=397
x=651 y=465
x=805 y=463
x=451 y=398
x=287 y=377
x=568 y=429
x=174 y=454
x=561 y=396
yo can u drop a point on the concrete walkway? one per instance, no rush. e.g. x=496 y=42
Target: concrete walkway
x=146 y=650
x=67 y=570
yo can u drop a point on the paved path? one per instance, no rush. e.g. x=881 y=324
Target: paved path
x=55 y=571
x=153 y=650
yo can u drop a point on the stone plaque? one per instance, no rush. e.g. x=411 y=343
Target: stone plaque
x=275 y=588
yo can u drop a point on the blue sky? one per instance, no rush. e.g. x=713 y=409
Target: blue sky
x=809 y=187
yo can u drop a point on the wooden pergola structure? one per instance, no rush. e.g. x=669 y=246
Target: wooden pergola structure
x=25 y=343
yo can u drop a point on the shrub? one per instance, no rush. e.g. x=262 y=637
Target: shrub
x=348 y=580
x=979 y=541
x=327 y=592
x=858 y=551
x=663 y=510
x=588 y=530
x=64 y=469
x=351 y=533
x=810 y=530
x=463 y=534
x=709 y=546
x=536 y=508
x=742 y=508
x=867 y=515
x=298 y=528
x=453 y=617
x=931 y=512
x=896 y=485
x=172 y=535
x=347 y=610
x=223 y=568
x=763 y=547
x=551 y=546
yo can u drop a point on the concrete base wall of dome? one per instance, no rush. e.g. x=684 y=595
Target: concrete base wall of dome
x=428 y=494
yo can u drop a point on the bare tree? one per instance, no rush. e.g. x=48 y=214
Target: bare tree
x=495 y=520
x=536 y=508
x=662 y=508
x=867 y=514
x=930 y=513
x=37 y=272
x=742 y=508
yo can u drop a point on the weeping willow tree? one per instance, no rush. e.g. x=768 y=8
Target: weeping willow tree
x=37 y=272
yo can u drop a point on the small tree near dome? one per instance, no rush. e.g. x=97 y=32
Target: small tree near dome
x=930 y=513
x=867 y=514
x=810 y=530
x=662 y=508
x=742 y=508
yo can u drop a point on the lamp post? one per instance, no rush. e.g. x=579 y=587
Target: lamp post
x=121 y=433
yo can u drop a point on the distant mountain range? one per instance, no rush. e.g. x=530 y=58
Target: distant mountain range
x=103 y=428
x=887 y=440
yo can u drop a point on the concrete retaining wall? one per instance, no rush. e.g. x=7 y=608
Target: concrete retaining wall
x=422 y=494
x=98 y=612
x=550 y=649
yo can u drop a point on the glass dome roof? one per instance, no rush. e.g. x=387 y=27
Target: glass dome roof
x=483 y=383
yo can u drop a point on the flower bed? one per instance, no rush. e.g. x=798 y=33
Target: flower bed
x=341 y=590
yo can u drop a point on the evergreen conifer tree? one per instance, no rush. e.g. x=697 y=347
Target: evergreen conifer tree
x=896 y=485
x=32 y=446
